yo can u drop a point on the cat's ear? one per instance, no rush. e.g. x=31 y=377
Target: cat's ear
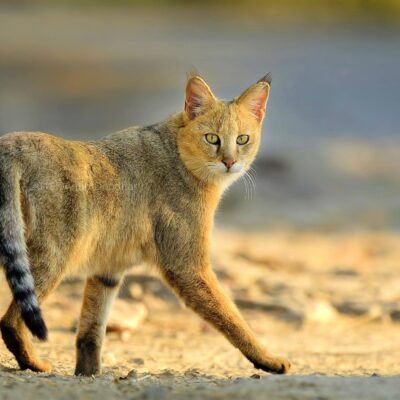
x=199 y=96
x=256 y=96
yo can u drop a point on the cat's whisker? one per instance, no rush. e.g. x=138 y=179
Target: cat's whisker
x=252 y=184
x=248 y=189
x=246 y=186
x=253 y=170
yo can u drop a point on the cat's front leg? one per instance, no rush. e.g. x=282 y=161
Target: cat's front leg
x=99 y=294
x=201 y=291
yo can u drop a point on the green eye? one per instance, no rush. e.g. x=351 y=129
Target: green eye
x=212 y=138
x=242 y=139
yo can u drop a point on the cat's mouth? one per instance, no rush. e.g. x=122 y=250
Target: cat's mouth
x=222 y=170
x=236 y=168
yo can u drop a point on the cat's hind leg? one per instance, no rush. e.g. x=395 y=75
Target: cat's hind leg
x=100 y=291
x=15 y=334
x=17 y=339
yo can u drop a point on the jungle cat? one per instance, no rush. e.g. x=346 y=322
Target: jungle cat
x=142 y=195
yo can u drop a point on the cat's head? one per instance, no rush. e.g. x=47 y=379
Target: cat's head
x=219 y=140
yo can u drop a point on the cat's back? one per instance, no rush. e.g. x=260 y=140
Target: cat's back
x=20 y=144
x=38 y=147
x=30 y=153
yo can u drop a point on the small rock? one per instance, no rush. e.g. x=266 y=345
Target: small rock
x=353 y=308
x=395 y=315
x=125 y=336
x=136 y=291
x=138 y=361
x=109 y=358
x=132 y=374
x=192 y=372
x=167 y=373
x=126 y=316
x=321 y=311
x=346 y=272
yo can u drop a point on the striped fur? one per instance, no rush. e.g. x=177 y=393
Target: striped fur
x=13 y=257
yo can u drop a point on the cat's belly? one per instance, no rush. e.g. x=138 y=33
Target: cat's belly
x=114 y=255
x=110 y=264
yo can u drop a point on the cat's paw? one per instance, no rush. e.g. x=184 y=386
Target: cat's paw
x=87 y=371
x=87 y=367
x=274 y=365
x=36 y=365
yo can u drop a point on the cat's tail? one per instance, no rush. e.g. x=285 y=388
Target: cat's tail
x=14 y=257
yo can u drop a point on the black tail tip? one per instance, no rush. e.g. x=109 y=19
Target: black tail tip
x=36 y=325
x=40 y=331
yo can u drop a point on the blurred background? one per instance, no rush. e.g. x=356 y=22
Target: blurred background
x=330 y=157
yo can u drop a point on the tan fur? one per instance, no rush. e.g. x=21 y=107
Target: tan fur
x=141 y=195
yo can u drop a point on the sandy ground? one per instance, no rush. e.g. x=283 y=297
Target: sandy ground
x=329 y=302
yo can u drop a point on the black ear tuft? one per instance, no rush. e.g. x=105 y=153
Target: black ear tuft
x=267 y=78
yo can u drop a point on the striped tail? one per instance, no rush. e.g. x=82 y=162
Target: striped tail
x=14 y=257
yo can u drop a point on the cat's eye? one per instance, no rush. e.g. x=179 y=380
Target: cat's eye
x=212 y=138
x=242 y=139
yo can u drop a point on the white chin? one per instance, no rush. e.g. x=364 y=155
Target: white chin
x=228 y=177
x=225 y=177
x=227 y=174
x=236 y=169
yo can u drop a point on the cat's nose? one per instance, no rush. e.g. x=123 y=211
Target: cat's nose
x=228 y=162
